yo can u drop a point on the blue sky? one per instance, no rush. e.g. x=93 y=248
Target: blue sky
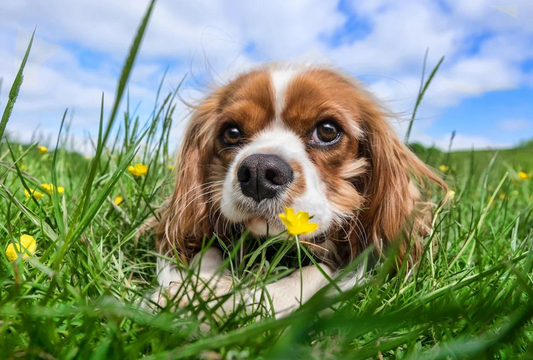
x=483 y=90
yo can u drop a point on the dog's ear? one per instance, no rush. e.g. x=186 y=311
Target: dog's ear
x=394 y=187
x=184 y=218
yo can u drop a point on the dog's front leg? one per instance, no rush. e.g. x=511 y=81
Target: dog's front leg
x=288 y=293
x=205 y=278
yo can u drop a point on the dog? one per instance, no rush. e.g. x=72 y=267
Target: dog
x=299 y=136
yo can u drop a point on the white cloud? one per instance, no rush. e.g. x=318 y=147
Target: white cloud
x=512 y=125
x=401 y=33
x=511 y=10
x=463 y=142
x=460 y=142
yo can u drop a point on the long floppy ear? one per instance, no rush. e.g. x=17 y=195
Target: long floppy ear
x=184 y=218
x=394 y=188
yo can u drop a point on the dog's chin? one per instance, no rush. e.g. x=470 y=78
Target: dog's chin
x=260 y=227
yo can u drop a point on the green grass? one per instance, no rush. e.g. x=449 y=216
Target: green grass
x=78 y=296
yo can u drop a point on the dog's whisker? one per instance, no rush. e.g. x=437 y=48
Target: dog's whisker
x=313 y=245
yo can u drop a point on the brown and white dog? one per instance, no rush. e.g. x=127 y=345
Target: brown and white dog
x=305 y=137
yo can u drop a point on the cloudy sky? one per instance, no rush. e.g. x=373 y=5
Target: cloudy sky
x=484 y=90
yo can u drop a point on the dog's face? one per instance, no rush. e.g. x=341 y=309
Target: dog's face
x=289 y=139
x=306 y=138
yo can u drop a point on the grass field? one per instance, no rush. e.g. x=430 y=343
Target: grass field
x=77 y=296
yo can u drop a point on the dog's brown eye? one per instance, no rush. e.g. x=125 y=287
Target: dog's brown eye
x=231 y=135
x=325 y=133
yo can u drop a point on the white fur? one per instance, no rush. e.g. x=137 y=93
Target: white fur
x=281 y=79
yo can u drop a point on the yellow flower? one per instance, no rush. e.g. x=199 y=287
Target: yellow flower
x=23 y=168
x=523 y=175
x=36 y=194
x=118 y=200
x=503 y=196
x=87 y=157
x=444 y=168
x=170 y=167
x=297 y=224
x=49 y=188
x=28 y=248
x=42 y=149
x=451 y=194
x=138 y=170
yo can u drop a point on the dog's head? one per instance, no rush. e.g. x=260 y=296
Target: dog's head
x=304 y=137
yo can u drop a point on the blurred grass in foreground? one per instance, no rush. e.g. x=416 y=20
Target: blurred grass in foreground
x=76 y=297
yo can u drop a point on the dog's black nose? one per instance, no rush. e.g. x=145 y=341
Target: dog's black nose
x=263 y=176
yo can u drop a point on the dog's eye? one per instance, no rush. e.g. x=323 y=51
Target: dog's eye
x=325 y=133
x=231 y=135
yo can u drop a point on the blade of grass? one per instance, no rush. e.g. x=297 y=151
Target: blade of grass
x=15 y=88
x=55 y=193
x=421 y=94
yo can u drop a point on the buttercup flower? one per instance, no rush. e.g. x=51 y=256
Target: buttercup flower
x=49 y=188
x=523 y=175
x=170 y=167
x=451 y=194
x=42 y=149
x=138 y=169
x=444 y=168
x=26 y=247
x=118 y=200
x=297 y=224
x=36 y=194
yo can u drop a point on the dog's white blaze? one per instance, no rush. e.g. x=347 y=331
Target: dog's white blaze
x=281 y=79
